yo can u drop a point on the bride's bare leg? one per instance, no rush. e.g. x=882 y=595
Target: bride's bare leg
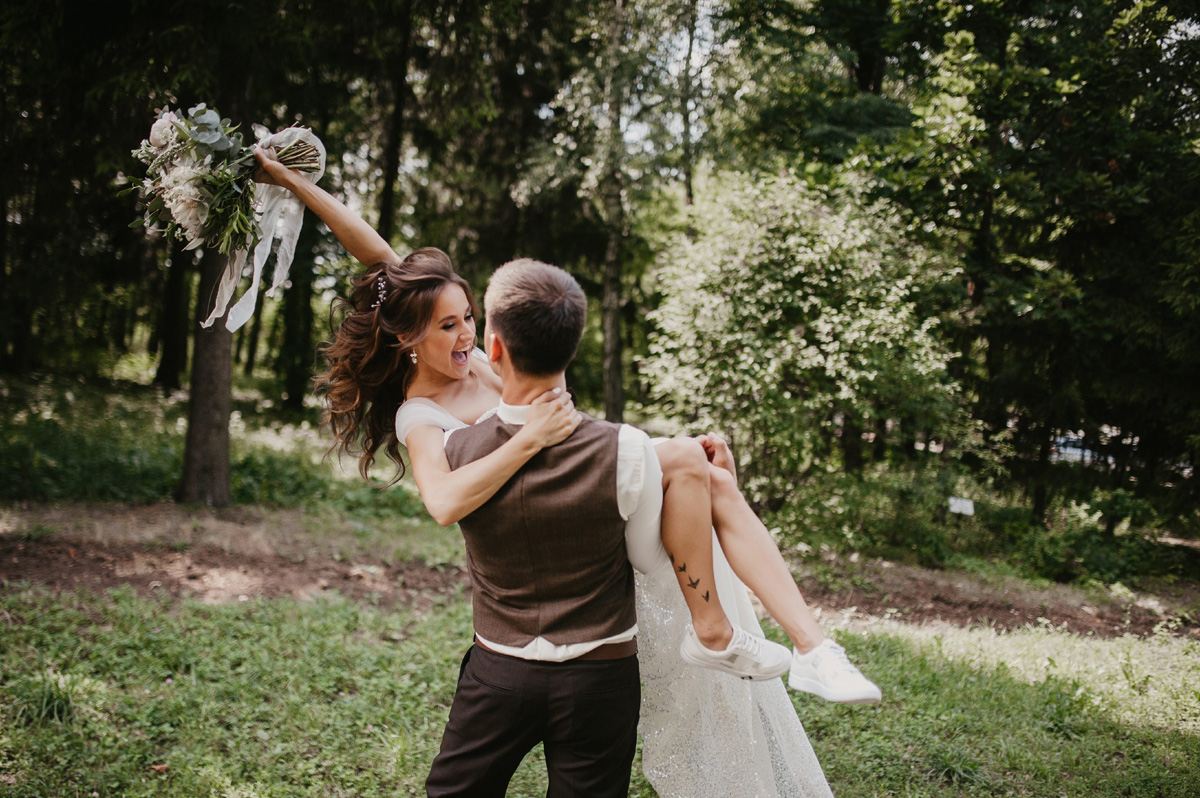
x=819 y=666
x=752 y=552
x=686 y=535
x=755 y=558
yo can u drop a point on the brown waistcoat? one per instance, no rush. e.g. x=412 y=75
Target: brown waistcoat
x=546 y=554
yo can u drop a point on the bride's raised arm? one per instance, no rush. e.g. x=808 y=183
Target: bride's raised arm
x=358 y=237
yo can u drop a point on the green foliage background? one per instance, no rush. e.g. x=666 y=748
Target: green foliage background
x=896 y=250
x=928 y=245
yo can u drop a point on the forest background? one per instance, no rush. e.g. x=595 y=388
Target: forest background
x=896 y=251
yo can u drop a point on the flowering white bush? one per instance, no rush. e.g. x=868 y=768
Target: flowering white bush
x=787 y=311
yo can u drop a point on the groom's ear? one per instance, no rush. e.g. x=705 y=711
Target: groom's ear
x=494 y=348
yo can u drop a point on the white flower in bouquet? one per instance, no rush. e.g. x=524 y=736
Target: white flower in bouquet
x=163 y=131
x=187 y=201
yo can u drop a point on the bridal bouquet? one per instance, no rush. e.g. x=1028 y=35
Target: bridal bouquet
x=200 y=184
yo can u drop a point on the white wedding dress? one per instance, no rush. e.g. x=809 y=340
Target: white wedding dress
x=705 y=734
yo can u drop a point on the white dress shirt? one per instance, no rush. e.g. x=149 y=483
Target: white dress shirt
x=639 y=501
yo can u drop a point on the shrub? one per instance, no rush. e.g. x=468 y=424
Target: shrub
x=1082 y=540
x=263 y=476
x=789 y=308
x=63 y=439
x=47 y=458
x=894 y=512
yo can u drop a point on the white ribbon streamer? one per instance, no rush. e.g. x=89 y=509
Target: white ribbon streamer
x=280 y=214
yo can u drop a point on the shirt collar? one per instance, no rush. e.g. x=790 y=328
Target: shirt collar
x=513 y=414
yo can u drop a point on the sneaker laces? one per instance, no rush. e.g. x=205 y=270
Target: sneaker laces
x=744 y=641
x=837 y=655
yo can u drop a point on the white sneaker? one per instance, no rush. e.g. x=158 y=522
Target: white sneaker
x=747 y=656
x=827 y=672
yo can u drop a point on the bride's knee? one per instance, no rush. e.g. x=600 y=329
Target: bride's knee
x=682 y=458
x=723 y=483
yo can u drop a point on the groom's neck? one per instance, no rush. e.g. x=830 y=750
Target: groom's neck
x=522 y=389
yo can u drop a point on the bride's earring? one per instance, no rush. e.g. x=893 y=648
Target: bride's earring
x=412 y=356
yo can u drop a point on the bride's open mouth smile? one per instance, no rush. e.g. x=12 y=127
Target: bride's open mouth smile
x=459 y=356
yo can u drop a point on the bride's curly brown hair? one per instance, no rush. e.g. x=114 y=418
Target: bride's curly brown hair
x=369 y=371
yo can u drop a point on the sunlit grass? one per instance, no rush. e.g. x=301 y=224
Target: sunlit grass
x=330 y=530
x=967 y=712
x=1153 y=682
x=125 y=696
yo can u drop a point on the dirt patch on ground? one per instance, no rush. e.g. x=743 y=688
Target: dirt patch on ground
x=214 y=575
x=239 y=554
x=877 y=588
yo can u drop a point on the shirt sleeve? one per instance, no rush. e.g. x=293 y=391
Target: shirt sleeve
x=639 y=499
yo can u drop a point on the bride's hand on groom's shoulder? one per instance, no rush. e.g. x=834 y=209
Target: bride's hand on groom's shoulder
x=552 y=419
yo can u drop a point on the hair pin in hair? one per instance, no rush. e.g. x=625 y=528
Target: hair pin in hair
x=382 y=292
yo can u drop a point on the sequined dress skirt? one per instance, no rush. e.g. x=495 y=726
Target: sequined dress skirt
x=708 y=734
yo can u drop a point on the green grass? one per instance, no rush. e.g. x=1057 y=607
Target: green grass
x=967 y=717
x=284 y=698
x=259 y=698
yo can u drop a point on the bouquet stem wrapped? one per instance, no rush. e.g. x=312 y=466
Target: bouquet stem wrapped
x=200 y=183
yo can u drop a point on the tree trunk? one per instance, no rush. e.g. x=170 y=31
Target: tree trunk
x=274 y=340
x=610 y=314
x=614 y=213
x=21 y=347
x=1149 y=449
x=879 y=447
x=239 y=341
x=852 y=443
x=5 y=283
x=118 y=327
x=394 y=134
x=206 y=454
x=173 y=322
x=296 y=353
x=253 y=335
x=7 y=319
x=1041 y=487
x=686 y=93
x=867 y=35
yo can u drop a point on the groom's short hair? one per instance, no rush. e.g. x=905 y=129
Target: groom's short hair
x=539 y=312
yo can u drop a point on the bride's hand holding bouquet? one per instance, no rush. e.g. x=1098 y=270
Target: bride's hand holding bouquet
x=272 y=171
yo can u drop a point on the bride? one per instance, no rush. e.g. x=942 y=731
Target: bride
x=407 y=341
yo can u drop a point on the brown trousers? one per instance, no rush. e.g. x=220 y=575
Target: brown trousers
x=585 y=714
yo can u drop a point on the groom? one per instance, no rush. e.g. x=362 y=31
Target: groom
x=549 y=557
